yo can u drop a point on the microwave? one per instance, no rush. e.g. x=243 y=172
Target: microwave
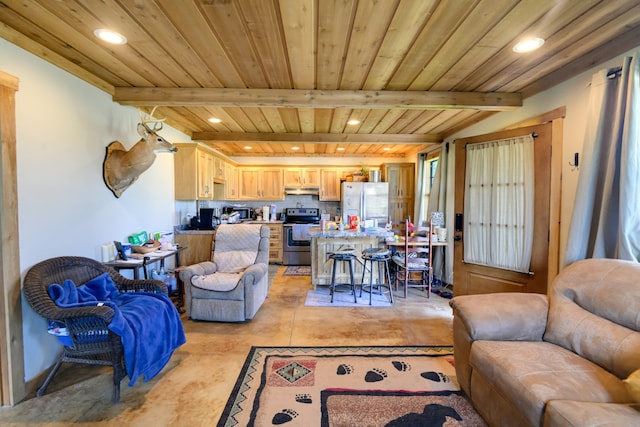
x=245 y=213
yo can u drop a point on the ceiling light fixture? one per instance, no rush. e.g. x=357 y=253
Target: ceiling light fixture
x=295 y=148
x=353 y=122
x=528 y=45
x=110 y=36
x=387 y=148
x=248 y=147
x=215 y=120
x=340 y=149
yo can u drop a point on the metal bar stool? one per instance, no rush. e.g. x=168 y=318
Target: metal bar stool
x=381 y=257
x=343 y=255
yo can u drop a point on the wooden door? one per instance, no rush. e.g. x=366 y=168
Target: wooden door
x=477 y=279
x=330 y=184
x=249 y=182
x=272 y=184
x=311 y=177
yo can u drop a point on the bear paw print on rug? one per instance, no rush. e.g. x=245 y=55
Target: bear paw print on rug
x=375 y=375
x=438 y=377
x=401 y=366
x=285 y=416
x=303 y=398
x=344 y=369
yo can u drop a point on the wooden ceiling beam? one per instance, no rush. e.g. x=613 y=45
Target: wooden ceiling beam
x=298 y=98
x=319 y=138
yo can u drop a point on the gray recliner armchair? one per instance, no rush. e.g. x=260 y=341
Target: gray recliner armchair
x=234 y=284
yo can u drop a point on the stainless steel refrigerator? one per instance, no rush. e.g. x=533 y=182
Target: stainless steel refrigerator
x=369 y=200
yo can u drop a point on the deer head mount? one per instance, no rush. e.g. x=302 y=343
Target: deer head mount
x=121 y=168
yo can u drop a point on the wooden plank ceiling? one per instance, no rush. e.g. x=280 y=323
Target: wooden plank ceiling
x=281 y=74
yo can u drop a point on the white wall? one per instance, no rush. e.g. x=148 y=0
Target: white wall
x=62 y=127
x=574 y=94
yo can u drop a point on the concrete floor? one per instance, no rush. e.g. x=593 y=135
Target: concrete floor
x=194 y=387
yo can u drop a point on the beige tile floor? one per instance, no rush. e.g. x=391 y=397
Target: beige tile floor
x=193 y=389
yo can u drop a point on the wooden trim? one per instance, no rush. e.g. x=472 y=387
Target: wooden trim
x=298 y=98
x=328 y=138
x=555 y=202
x=558 y=113
x=11 y=344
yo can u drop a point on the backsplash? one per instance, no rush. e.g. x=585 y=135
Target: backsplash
x=185 y=210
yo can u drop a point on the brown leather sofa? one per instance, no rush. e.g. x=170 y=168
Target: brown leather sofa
x=529 y=360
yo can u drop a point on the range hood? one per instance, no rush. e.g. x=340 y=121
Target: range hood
x=297 y=190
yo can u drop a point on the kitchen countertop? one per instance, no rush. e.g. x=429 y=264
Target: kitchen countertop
x=265 y=222
x=376 y=232
x=178 y=230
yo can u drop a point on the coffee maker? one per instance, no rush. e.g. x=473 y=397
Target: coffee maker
x=206 y=219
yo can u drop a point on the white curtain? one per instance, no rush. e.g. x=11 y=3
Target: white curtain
x=606 y=213
x=498 y=205
x=442 y=200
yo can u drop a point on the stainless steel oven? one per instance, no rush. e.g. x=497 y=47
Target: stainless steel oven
x=296 y=244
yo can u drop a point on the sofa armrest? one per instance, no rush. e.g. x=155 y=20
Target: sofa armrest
x=502 y=316
x=494 y=317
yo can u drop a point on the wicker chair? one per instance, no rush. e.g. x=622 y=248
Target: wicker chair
x=93 y=342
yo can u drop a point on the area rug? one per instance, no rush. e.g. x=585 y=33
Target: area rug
x=320 y=297
x=348 y=386
x=298 y=270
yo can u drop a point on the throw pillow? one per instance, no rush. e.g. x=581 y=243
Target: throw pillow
x=633 y=385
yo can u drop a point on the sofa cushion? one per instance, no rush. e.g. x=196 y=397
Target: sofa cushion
x=533 y=373
x=594 y=311
x=633 y=385
x=569 y=413
x=221 y=282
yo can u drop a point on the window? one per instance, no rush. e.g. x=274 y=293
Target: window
x=429 y=168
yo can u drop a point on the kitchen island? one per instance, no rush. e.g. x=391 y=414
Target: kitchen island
x=323 y=243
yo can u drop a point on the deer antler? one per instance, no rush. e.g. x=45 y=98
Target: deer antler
x=157 y=127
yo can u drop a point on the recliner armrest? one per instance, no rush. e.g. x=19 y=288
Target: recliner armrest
x=200 y=269
x=254 y=273
x=502 y=316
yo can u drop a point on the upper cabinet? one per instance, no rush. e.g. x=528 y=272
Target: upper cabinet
x=198 y=173
x=401 y=178
x=219 y=170
x=231 y=183
x=259 y=183
x=330 y=184
x=193 y=173
x=301 y=177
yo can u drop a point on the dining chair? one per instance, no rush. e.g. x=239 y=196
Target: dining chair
x=413 y=268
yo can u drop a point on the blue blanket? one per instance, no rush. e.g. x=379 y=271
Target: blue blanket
x=148 y=323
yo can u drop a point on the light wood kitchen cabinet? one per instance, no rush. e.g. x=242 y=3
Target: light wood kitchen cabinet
x=306 y=177
x=231 y=183
x=197 y=246
x=256 y=183
x=205 y=175
x=275 y=243
x=219 y=170
x=401 y=179
x=193 y=173
x=330 y=184
x=321 y=247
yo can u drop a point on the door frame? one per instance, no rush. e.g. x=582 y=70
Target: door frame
x=12 y=379
x=555 y=119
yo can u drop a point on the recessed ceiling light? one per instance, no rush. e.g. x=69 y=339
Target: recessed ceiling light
x=295 y=148
x=340 y=149
x=215 y=120
x=110 y=36
x=387 y=148
x=353 y=122
x=528 y=45
x=248 y=147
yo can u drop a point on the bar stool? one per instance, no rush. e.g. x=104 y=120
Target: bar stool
x=343 y=255
x=381 y=257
